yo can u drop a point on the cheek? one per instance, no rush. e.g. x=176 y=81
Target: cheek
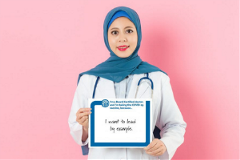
x=133 y=45
x=112 y=42
x=134 y=41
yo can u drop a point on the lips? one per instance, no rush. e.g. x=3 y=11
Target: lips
x=122 y=48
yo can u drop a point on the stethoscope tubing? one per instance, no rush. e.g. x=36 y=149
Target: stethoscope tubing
x=140 y=82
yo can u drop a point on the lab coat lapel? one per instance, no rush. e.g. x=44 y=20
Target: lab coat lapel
x=133 y=88
x=105 y=89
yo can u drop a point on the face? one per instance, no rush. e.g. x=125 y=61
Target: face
x=122 y=37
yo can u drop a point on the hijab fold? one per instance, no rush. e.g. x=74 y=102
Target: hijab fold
x=116 y=68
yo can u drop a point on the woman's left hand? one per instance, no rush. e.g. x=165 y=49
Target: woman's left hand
x=155 y=148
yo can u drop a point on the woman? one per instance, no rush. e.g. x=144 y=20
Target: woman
x=118 y=77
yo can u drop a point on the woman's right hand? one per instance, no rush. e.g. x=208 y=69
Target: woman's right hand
x=82 y=116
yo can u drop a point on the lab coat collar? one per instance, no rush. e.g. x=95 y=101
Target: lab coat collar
x=105 y=88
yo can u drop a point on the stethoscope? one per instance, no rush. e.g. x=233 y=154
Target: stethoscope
x=156 y=131
x=139 y=82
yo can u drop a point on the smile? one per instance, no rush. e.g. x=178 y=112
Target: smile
x=122 y=48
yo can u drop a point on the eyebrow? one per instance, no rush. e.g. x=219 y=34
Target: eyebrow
x=124 y=28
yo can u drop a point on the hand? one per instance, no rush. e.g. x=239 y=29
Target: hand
x=82 y=117
x=155 y=148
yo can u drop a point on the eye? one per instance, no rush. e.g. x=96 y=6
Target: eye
x=129 y=31
x=113 y=32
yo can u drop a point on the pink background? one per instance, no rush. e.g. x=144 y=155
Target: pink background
x=45 y=44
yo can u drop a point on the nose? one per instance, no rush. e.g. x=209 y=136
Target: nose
x=122 y=38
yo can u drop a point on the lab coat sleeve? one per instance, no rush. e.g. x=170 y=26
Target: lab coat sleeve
x=79 y=101
x=170 y=121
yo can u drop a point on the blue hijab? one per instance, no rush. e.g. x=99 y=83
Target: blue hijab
x=116 y=68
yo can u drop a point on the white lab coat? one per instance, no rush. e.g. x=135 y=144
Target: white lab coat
x=166 y=114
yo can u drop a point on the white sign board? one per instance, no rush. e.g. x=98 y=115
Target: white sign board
x=120 y=123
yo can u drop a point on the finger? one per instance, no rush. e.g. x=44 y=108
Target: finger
x=156 y=146
x=81 y=120
x=160 y=152
x=85 y=122
x=81 y=110
x=79 y=116
x=151 y=145
x=83 y=114
x=155 y=152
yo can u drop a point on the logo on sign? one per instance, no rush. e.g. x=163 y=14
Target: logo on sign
x=105 y=103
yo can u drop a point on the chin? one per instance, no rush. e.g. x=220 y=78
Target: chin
x=123 y=56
